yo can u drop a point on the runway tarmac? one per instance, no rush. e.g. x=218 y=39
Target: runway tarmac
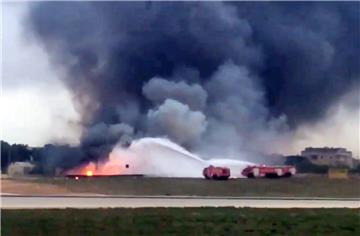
x=28 y=202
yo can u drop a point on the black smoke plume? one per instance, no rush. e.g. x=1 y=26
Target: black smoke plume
x=209 y=75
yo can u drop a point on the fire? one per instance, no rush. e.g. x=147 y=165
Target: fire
x=113 y=166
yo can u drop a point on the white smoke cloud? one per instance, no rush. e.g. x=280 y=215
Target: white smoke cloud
x=177 y=121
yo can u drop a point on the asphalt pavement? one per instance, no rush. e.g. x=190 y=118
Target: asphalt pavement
x=106 y=201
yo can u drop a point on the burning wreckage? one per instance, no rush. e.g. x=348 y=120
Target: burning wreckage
x=157 y=157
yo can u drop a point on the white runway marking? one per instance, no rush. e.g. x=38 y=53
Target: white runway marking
x=17 y=202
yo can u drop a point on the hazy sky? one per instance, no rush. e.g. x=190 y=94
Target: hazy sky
x=37 y=108
x=340 y=128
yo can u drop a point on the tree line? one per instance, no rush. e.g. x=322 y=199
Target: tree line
x=40 y=156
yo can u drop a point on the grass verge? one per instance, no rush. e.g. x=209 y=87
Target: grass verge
x=181 y=221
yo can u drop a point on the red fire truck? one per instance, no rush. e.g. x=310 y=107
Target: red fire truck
x=216 y=173
x=268 y=171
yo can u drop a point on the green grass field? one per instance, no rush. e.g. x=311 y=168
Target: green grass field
x=311 y=186
x=180 y=221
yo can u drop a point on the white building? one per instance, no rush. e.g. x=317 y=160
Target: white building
x=336 y=157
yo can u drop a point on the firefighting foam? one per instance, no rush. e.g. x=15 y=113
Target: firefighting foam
x=157 y=157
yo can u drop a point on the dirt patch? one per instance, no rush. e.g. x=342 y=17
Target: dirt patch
x=14 y=186
x=306 y=186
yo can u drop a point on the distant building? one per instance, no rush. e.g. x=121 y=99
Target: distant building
x=335 y=157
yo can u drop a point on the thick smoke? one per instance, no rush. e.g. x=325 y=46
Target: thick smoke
x=220 y=78
x=101 y=134
x=239 y=120
x=158 y=90
x=177 y=121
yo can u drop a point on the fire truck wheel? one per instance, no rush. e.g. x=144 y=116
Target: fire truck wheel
x=215 y=177
x=251 y=176
x=272 y=175
x=288 y=174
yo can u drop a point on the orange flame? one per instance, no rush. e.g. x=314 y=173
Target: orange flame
x=113 y=166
